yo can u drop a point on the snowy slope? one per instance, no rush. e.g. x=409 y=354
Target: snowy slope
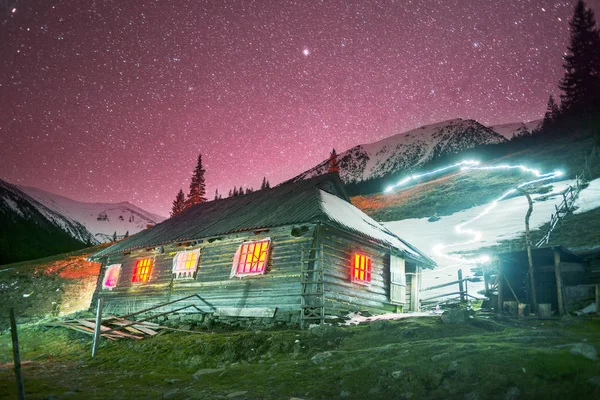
x=507 y=221
x=28 y=229
x=101 y=219
x=516 y=128
x=408 y=150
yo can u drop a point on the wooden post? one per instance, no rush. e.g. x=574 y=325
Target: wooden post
x=529 y=257
x=461 y=287
x=415 y=289
x=598 y=299
x=485 y=280
x=96 y=341
x=16 y=355
x=500 y=285
x=559 y=285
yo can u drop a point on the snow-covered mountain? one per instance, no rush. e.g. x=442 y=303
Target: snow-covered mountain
x=516 y=128
x=29 y=229
x=101 y=219
x=408 y=150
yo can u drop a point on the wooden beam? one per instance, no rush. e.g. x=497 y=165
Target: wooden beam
x=461 y=287
x=500 y=285
x=97 y=327
x=415 y=292
x=559 y=284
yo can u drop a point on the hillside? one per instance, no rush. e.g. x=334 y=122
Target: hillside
x=101 y=219
x=32 y=230
x=408 y=150
x=516 y=128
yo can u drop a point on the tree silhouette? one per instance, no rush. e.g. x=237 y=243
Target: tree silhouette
x=333 y=162
x=178 y=203
x=197 y=192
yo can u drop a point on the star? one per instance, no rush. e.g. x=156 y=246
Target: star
x=306 y=52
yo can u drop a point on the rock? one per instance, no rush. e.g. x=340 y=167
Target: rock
x=594 y=381
x=240 y=393
x=586 y=350
x=171 y=394
x=323 y=330
x=379 y=325
x=397 y=374
x=410 y=332
x=456 y=316
x=319 y=358
x=439 y=357
x=172 y=381
x=512 y=393
x=206 y=371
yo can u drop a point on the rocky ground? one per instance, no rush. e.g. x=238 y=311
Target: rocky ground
x=457 y=356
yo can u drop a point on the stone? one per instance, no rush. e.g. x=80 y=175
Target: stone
x=512 y=393
x=586 y=350
x=171 y=394
x=397 y=374
x=320 y=358
x=240 y=393
x=439 y=357
x=456 y=316
x=206 y=371
x=172 y=381
x=379 y=325
x=323 y=330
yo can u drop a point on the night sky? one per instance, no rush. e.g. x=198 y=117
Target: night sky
x=113 y=100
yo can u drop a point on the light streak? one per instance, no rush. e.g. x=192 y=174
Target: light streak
x=476 y=236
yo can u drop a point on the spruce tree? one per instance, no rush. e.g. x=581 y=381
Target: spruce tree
x=268 y=185
x=333 y=162
x=552 y=113
x=178 y=203
x=216 y=194
x=114 y=236
x=263 y=185
x=581 y=83
x=197 y=192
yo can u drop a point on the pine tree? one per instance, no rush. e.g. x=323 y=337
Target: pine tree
x=197 y=192
x=127 y=234
x=230 y=193
x=178 y=203
x=552 y=113
x=114 y=236
x=216 y=194
x=333 y=162
x=263 y=185
x=268 y=185
x=235 y=191
x=581 y=83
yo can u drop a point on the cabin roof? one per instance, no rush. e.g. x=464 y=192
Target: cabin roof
x=319 y=199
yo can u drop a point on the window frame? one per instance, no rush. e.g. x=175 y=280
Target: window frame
x=191 y=271
x=135 y=278
x=356 y=256
x=239 y=254
x=109 y=268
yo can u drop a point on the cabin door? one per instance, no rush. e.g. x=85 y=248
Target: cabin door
x=397 y=280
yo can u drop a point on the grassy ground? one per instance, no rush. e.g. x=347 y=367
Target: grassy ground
x=414 y=358
x=461 y=190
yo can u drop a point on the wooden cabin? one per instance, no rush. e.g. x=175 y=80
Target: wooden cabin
x=563 y=280
x=297 y=252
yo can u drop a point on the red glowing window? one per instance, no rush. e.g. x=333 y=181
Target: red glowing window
x=361 y=268
x=141 y=272
x=111 y=276
x=251 y=258
x=185 y=263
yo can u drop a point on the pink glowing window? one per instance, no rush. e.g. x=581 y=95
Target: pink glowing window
x=141 y=272
x=361 y=269
x=185 y=264
x=111 y=276
x=251 y=258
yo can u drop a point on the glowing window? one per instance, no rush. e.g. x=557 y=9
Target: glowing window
x=111 y=276
x=251 y=258
x=185 y=264
x=361 y=268
x=141 y=272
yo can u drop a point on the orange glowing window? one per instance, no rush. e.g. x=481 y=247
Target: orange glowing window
x=185 y=263
x=251 y=258
x=361 y=268
x=141 y=272
x=111 y=276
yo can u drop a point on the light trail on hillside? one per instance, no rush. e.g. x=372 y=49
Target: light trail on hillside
x=476 y=236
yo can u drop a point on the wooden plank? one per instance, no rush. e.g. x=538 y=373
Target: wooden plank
x=92 y=326
x=268 y=312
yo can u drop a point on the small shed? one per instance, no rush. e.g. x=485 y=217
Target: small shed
x=296 y=252
x=561 y=279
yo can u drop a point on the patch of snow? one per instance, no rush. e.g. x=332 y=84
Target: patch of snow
x=356 y=318
x=13 y=206
x=589 y=198
x=510 y=129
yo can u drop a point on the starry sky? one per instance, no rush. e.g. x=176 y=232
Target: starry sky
x=113 y=100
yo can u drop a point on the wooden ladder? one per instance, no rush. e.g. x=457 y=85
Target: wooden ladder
x=312 y=299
